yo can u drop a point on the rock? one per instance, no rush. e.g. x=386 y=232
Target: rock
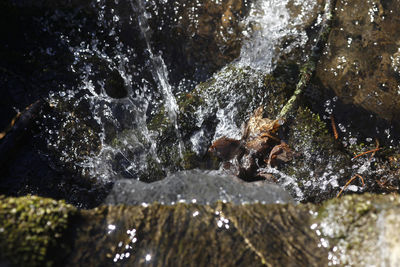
x=202 y=187
x=361 y=230
x=353 y=230
x=320 y=166
x=221 y=105
x=38 y=48
x=198 y=235
x=197 y=40
x=360 y=62
x=33 y=231
x=224 y=102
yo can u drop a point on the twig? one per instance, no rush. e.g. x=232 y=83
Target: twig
x=377 y=148
x=348 y=183
x=335 y=133
x=373 y=153
x=21 y=128
x=308 y=69
x=367 y=152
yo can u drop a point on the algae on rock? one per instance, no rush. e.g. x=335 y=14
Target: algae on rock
x=32 y=230
x=361 y=230
x=320 y=164
x=353 y=230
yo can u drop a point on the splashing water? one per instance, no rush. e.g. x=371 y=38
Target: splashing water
x=111 y=127
x=103 y=119
x=276 y=27
x=159 y=71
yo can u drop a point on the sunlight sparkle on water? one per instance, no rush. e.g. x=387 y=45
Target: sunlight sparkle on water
x=110 y=227
x=148 y=257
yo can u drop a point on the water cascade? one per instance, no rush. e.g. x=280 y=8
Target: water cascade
x=159 y=69
x=150 y=85
x=127 y=147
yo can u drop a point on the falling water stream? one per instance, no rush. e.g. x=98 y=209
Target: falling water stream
x=159 y=69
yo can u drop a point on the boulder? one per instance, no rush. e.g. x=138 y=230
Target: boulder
x=361 y=60
x=353 y=230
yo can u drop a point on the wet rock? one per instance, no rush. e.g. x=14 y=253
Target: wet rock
x=197 y=40
x=40 y=59
x=220 y=106
x=193 y=235
x=280 y=31
x=115 y=86
x=224 y=102
x=69 y=133
x=361 y=230
x=196 y=186
x=320 y=165
x=353 y=230
x=360 y=62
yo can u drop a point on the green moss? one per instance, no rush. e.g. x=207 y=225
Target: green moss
x=308 y=130
x=190 y=160
x=31 y=229
x=159 y=122
x=318 y=154
x=350 y=207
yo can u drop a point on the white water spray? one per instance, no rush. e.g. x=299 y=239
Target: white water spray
x=159 y=70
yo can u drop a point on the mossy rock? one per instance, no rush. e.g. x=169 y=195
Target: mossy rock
x=221 y=234
x=31 y=230
x=239 y=87
x=238 y=90
x=319 y=160
x=354 y=230
x=361 y=230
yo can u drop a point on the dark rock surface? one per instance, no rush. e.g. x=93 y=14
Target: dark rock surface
x=361 y=63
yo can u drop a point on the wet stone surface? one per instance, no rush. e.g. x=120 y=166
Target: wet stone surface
x=193 y=235
x=361 y=60
x=353 y=230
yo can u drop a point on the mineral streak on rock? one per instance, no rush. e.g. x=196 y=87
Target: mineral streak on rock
x=197 y=235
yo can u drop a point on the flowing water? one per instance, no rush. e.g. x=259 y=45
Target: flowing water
x=159 y=70
x=127 y=78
